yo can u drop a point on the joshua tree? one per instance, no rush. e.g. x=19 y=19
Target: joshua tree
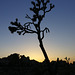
x=67 y=59
x=39 y=10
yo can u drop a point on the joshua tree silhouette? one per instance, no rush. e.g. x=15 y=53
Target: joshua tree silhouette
x=38 y=6
x=67 y=59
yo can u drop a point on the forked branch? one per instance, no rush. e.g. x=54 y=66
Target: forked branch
x=21 y=29
x=43 y=31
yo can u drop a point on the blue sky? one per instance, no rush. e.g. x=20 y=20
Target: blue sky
x=60 y=42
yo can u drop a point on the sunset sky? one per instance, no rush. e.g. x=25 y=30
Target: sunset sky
x=60 y=42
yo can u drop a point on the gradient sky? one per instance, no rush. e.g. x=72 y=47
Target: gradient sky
x=60 y=42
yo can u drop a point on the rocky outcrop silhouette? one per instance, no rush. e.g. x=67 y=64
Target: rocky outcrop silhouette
x=16 y=64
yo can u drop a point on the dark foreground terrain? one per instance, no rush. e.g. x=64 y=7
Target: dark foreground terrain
x=16 y=64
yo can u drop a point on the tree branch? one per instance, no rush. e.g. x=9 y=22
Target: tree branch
x=47 y=30
x=51 y=6
x=21 y=29
x=27 y=16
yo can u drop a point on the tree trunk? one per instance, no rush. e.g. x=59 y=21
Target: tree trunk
x=45 y=55
x=43 y=50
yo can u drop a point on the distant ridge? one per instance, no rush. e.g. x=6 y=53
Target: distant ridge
x=16 y=64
